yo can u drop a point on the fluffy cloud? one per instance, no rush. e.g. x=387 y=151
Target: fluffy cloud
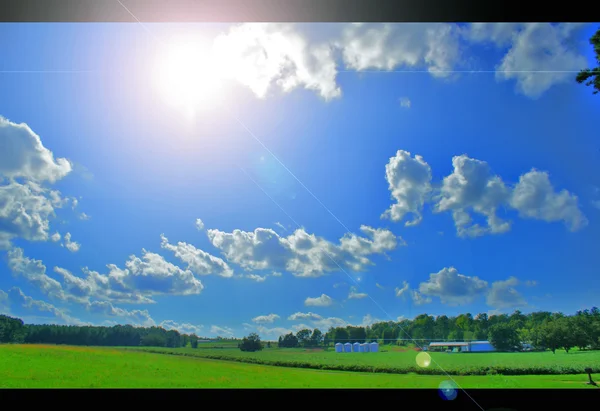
x=198 y=261
x=265 y=319
x=40 y=309
x=22 y=155
x=409 y=181
x=541 y=55
x=305 y=316
x=221 y=331
x=405 y=102
x=184 y=328
x=263 y=55
x=502 y=294
x=356 y=295
x=136 y=317
x=199 y=224
x=400 y=291
x=322 y=301
x=453 y=288
x=55 y=237
x=72 y=246
x=325 y=323
x=472 y=186
x=416 y=297
x=535 y=197
x=433 y=46
x=257 y=278
x=301 y=253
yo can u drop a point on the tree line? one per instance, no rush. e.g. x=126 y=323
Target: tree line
x=13 y=330
x=541 y=330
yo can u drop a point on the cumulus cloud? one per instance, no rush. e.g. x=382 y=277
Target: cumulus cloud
x=305 y=316
x=221 y=331
x=198 y=261
x=535 y=197
x=503 y=294
x=409 y=181
x=22 y=155
x=199 y=224
x=41 y=309
x=354 y=294
x=418 y=298
x=432 y=46
x=184 y=328
x=84 y=217
x=541 y=56
x=452 y=287
x=256 y=277
x=56 y=237
x=136 y=317
x=300 y=253
x=265 y=319
x=72 y=246
x=400 y=291
x=472 y=186
x=325 y=323
x=266 y=55
x=323 y=301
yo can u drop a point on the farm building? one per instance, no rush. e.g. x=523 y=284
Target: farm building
x=347 y=347
x=471 y=346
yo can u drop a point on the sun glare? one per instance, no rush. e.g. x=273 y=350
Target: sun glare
x=187 y=77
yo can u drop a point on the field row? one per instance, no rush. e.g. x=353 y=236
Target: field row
x=530 y=363
x=30 y=366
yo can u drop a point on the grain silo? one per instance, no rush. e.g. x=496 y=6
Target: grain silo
x=367 y=347
x=339 y=347
x=374 y=347
x=356 y=347
x=362 y=348
x=348 y=347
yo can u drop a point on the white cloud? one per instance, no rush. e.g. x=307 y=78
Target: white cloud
x=534 y=197
x=276 y=274
x=381 y=287
x=300 y=253
x=305 y=316
x=256 y=277
x=199 y=224
x=322 y=301
x=596 y=204
x=409 y=181
x=405 y=102
x=221 y=331
x=471 y=186
x=184 y=328
x=198 y=261
x=49 y=312
x=418 y=298
x=72 y=246
x=265 y=319
x=402 y=291
x=263 y=55
x=325 y=323
x=136 y=317
x=500 y=34
x=453 y=288
x=22 y=155
x=84 y=216
x=502 y=294
x=55 y=237
x=542 y=55
x=356 y=295
x=433 y=46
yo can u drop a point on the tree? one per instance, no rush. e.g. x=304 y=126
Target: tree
x=194 y=341
x=504 y=337
x=289 y=341
x=268 y=344
x=592 y=77
x=341 y=336
x=303 y=337
x=316 y=338
x=251 y=343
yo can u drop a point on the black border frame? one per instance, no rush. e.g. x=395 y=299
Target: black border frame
x=302 y=11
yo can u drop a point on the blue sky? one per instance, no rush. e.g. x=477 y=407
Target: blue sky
x=297 y=140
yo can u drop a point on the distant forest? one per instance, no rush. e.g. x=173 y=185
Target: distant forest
x=542 y=330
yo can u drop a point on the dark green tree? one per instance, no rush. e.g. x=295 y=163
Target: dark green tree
x=504 y=337
x=251 y=343
x=591 y=77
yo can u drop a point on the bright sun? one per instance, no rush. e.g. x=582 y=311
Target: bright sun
x=187 y=77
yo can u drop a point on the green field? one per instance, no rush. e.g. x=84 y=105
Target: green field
x=525 y=363
x=29 y=366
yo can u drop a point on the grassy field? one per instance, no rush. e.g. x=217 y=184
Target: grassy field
x=29 y=366
x=526 y=363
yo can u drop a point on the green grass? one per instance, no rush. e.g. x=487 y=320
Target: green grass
x=29 y=366
x=526 y=363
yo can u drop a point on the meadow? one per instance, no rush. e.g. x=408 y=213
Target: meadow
x=392 y=360
x=56 y=366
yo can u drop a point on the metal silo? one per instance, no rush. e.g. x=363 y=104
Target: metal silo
x=339 y=347
x=348 y=347
x=356 y=347
x=374 y=347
